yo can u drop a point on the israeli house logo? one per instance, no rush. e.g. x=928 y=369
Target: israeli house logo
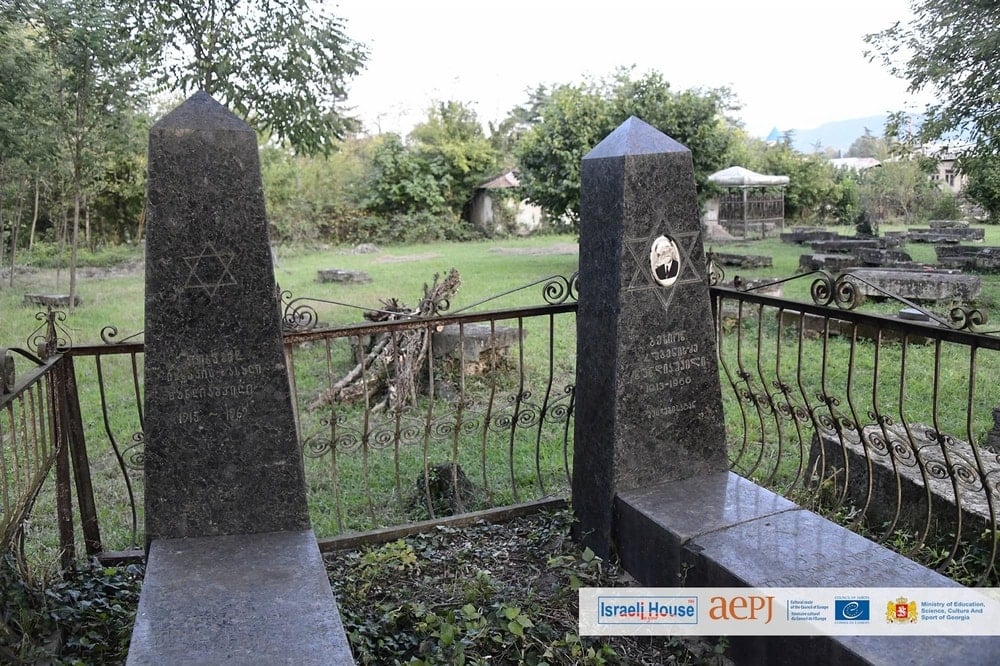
x=647 y=610
x=852 y=610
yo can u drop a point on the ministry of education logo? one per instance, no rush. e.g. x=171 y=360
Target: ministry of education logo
x=901 y=611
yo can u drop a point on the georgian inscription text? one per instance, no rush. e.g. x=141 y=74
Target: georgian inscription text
x=668 y=363
x=217 y=384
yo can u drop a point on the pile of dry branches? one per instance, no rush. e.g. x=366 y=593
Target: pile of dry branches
x=387 y=372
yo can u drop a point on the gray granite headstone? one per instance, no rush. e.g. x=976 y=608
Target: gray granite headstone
x=221 y=454
x=648 y=398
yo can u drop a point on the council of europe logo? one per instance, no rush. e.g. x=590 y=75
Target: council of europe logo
x=852 y=610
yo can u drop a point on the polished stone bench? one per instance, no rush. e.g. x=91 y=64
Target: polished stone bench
x=238 y=599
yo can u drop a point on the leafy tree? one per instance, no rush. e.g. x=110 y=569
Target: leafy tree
x=98 y=62
x=401 y=181
x=452 y=143
x=950 y=49
x=899 y=188
x=26 y=115
x=869 y=145
x=983 y=184
x=812 y=188
x=281 y=64
x=572 y=120
x=569 y=120
x=314 y=197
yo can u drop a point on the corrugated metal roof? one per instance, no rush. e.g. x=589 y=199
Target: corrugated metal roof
x=501 y=182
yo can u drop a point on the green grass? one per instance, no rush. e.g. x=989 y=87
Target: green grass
x=362 y=486
x=349 y=489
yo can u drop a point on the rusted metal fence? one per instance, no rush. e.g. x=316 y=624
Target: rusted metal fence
x=885 y=424
x=881 y=422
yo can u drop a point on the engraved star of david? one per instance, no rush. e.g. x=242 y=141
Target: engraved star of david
x=643 y=279
x=209 y=270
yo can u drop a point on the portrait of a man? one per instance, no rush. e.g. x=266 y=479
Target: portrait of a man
x=664 y=261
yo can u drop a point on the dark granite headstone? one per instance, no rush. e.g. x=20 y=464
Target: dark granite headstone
x=648 y=399
x=221 y=454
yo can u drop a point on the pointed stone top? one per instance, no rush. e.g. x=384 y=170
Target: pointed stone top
x=634 y=137
x=201 y=112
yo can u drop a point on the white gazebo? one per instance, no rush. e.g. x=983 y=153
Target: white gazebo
x=752 y=201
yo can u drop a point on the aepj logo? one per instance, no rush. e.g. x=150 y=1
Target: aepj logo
x=852 y=610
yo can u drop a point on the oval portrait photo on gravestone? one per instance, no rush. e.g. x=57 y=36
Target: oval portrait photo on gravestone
x=664 y=261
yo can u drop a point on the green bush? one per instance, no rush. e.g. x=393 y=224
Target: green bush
x=54 y=255
x=420 y=227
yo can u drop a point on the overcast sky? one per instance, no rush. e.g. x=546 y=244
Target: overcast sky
x=793 y=64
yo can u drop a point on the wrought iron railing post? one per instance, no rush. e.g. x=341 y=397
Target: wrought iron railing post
x=64 y=494
x=73 y=426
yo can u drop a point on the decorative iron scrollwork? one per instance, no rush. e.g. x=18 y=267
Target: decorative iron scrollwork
x=558 y=289
x=134 y=454
x=842 y=292
x=716 y=275
x=963 y=318
x=51 y=335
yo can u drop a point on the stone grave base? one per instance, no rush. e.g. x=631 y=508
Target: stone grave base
x=926 y=286
x=242 y=599
x=342 y=275
x=51 y=300
x=721 y=530
x=475 y=345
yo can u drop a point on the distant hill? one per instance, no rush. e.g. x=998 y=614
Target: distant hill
x=839 y=134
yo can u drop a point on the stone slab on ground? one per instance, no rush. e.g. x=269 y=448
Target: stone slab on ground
x=833 y=263
x=923 y=286
x=51 y=300
x=239 y=599
x=475 y=342
x=803 y=235
x=910 y=463
x=342 y=275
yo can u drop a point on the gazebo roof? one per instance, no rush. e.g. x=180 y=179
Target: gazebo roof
x=737 y=176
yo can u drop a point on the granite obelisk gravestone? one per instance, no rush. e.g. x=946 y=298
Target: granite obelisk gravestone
x=221 y=455
x=648 y=398
x=233 y=574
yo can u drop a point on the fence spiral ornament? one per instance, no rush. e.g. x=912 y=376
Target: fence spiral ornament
x=716 y=275
x=134 y=454
x=559 y=289
x=298 y=315
x=962 y=318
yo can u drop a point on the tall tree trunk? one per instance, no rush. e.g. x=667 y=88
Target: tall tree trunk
x=74 y=244
x=62 y=244
x=34 y=214
x=86 y=223
x=15 y=225
x=3 y=246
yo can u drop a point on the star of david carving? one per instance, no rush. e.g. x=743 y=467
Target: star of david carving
x=643 y=279
x=209 y=270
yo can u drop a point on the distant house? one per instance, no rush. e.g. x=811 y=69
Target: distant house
x=481 y=209
x=855 y=163
x=947 y=174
